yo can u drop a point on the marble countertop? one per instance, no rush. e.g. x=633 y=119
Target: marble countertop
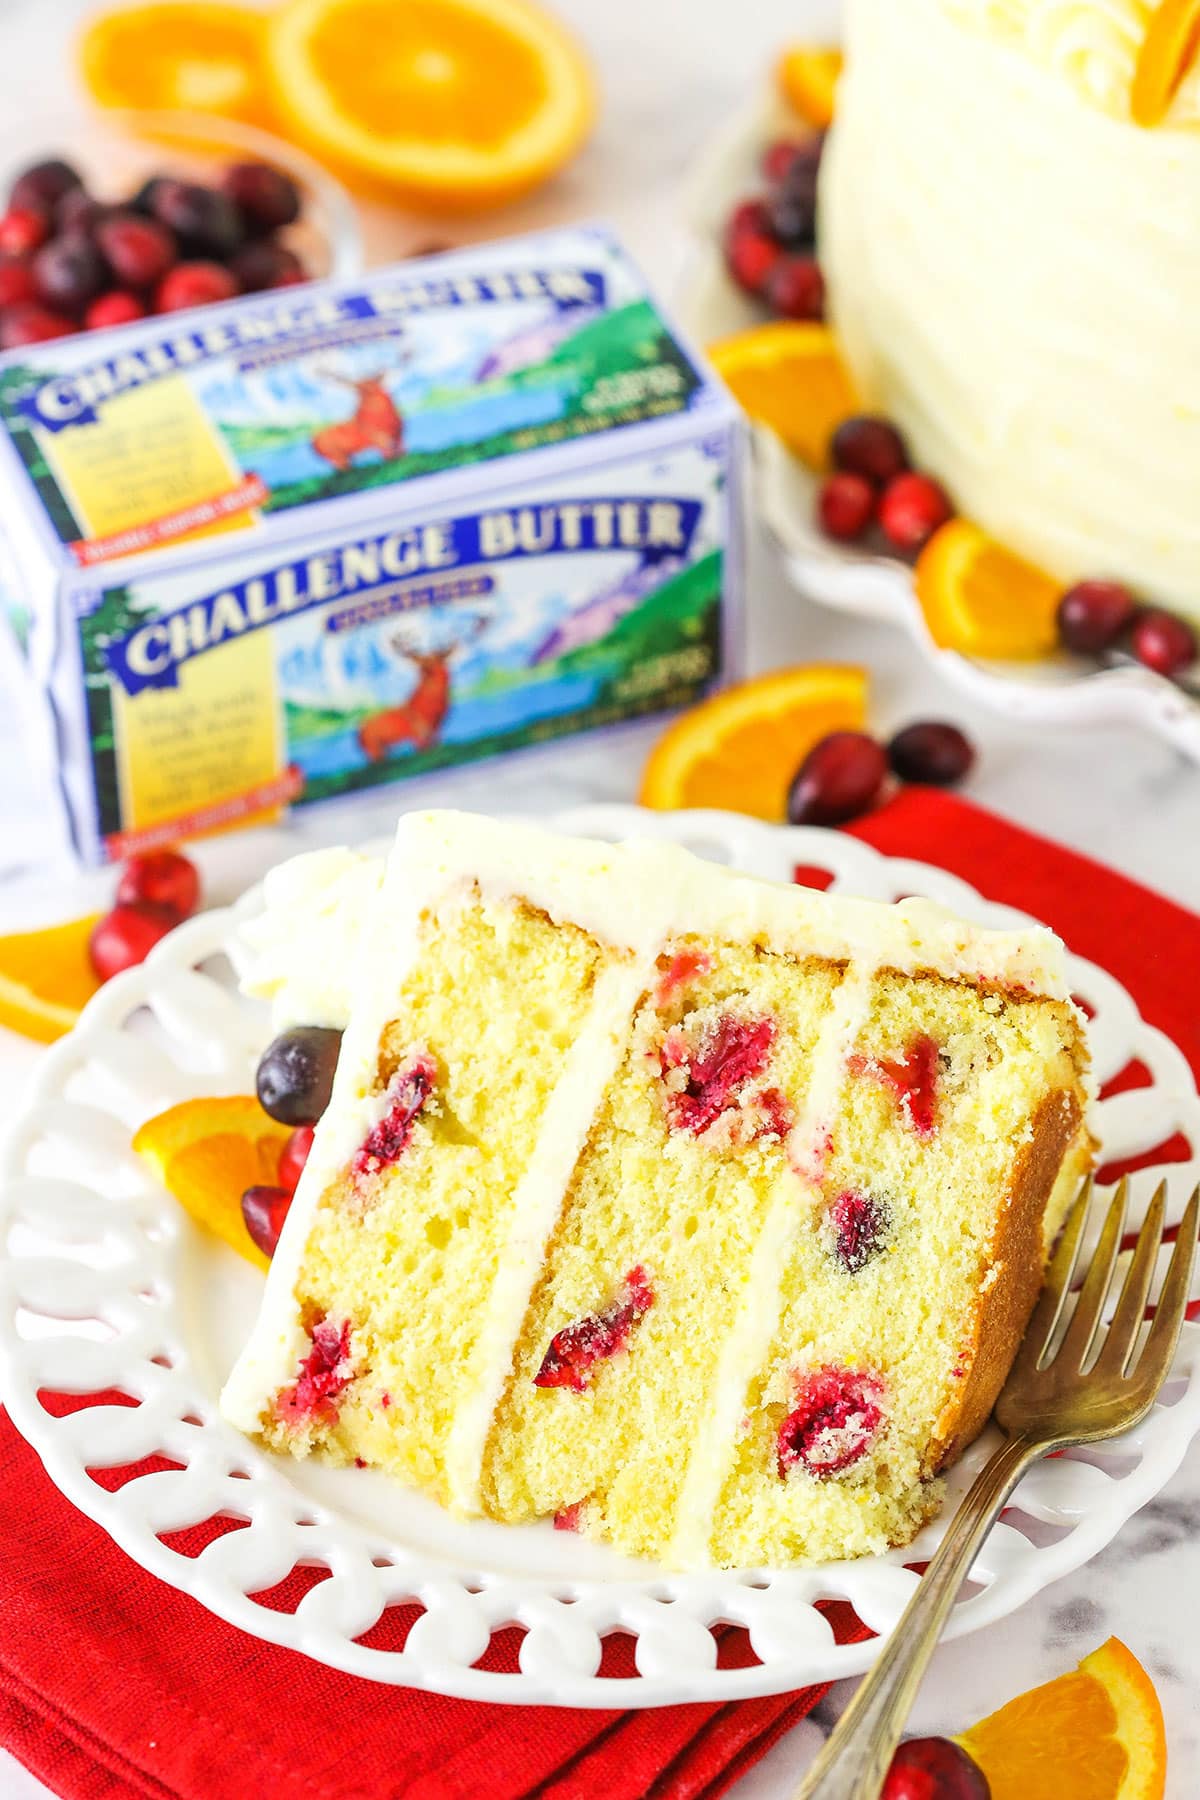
x=671 y=71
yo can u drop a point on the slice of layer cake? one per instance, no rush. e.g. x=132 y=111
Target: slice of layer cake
x=705 y=1212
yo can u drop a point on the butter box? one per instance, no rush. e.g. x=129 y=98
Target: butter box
x=275 y=552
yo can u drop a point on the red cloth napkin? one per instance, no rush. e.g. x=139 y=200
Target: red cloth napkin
x=114 y=1685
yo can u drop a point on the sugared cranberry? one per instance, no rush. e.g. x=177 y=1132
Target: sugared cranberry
x=751 y=248
x=30 y=323
x=860 y=1225
x=845 y=505
x=114 y=308
x=386 y=1142
x=1163 y=642
x=715 y=1072
x=205 y=221
x=193 y=284
x=913 y=1079
x=1093 y=614
x=293 y=1157
x=140 y=251
x=78 y=212
x=264 y=1209
x=16 y=283
x=834 y=1423
x=322 y=1376
x=162 y=878
x=869 y=446
x=22 y=229
x=295 y=1073
x=796 y=288
x=931 y=751
x=265 y=197
x=934 y=1769
x=841 y=777
x=69 y=273
x=913 y=507
x=574 y=1351
x=43 y=184
x=264 y=265
x=125 y=936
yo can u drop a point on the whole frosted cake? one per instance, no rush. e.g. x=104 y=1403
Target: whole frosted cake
x=701 y=1213
x=1014 y=270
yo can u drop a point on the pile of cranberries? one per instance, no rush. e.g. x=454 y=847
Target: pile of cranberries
x=71 y=262
x=156 y=892
x=1098 y=617
x=846 y=773
x=770 y=241
x=873 y=483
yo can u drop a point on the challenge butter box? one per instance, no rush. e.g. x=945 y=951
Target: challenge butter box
x=287 y=549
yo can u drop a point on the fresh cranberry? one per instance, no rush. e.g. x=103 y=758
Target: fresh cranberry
x=751 y=247
x=142 y=200
x=792 y=213
x=266 y=265
x=869 y=446
x=139 y=251
x=69 y=273
x=293 y=1157
x=114 y=308
x=265 y=197
x=193 y=284
x=913 y=1078
x=860 y=1225
x=43 y=185
x=78 y=212
x=386 y=1142
x=125 y=936
x=779 y=157
x=845 y=505
x=22 y=229
x=834 y=1423
x=1093 y=614
x=841 y=777
x=913 y=507
x=934 y=1769
x=321 y=1378
x=162 y=878
x=205 y=221
x=729 y=1055
x=30 y=323
x=16 y=283
x=796 y=288
x=264 y=1209
x=574 y=1350
x=932 y=752
x=1163 y=642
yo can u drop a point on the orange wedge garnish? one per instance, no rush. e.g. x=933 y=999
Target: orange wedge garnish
x=740 y=749
x=790 y=377
x=1168 y=51
x=979 y=598
x=207 y=1153
x=46 y=979
x=808 y=78
x=191 y=54
x=1095 y=1734
x=447 y=104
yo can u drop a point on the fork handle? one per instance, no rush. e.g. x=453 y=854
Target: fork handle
x=854 y=1762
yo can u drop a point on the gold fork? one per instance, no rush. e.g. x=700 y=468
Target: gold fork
x=1095 y=1384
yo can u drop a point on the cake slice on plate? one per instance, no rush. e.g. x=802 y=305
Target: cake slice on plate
x=701 y=1212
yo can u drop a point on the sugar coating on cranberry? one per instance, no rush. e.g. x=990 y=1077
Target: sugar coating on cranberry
x=388 y=1139
x=575 y=1350
x=322 y=1377
x=860 y=1225
x=934 y=1769
x=913 y=1079
x=835 y=1420
x=709 y=1077
x=684 y=966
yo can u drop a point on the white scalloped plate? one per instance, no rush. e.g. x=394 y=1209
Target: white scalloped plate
x=105 y=1284
x=1058 y=691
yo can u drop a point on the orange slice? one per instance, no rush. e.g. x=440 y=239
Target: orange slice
x=46 y=979
x=193 y=54
x=1168 y=51
x=1095 y=1734
x=448 y=104
x=808 y=77
x=207 y=1153
x=789 y=376
x=740 y=749
x=979 y=598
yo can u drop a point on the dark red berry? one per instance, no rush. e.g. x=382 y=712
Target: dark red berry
x=266 y=265
x=43 y=184
x=139 y=251
x=718 y=1069
x=294 y=1155
x=162 y=878
x=22 y=229
x=869 y=446
x=30 y=323
x=1163 y=642
x=388 y=1139
x=792 y=209
x=115 y=308
x=912 y=509
x=265 y=197
x=16 y=283
x=860 y=1225
x=796 y=288
x=840 y=778
x=751 y=248
x=934 y=1769
x=836 y=1419
x=932 y=752
x=264 y=1209
x=193 y=284
x=322 y=1375
x=69 y=273
x=205 y=221
x=295 y=1073
x=1093 y=614
x=575 y=1350
x=845 y=505
x=779 y=156
x=126 y=936
x=142 y=201
x=78 y=211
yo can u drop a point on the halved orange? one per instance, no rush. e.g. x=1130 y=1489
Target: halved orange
x=789 y=376
x=1095 y=1734
x=979 y=598
x=207 y=1152
x=740 y=749
x=447 y=104
x=46 y=979
x=1168 y=51
x=196 y=55
x=808 y=77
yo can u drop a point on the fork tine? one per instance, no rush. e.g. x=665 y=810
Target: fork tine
x=1159 y=1348
x=1043 y=1323
x=1085 y=1320
x=1116 y=1353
